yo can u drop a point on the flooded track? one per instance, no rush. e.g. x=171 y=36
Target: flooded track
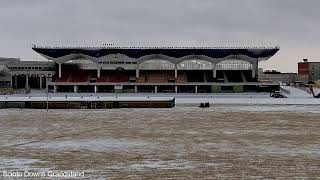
x=224 y=142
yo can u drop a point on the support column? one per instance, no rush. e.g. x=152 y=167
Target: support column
x=156 y=89
x=135 y=89
x=27 y=81
x=40 y=78
x=204 y=75
x=11 y=82
x=75 y=89
x=175 y=71
x=137 y=71
x=254 y=68
x=98 y=73
x=16 y=81
x=214 y=71
x=59 y=70
x=46 y=78
x=176 y=89
x=196 y=89
x=95 y=89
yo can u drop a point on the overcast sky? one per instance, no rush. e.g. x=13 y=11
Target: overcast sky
x=292 y=24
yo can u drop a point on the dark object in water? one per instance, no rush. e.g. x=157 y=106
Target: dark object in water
x=204 y=105
x=276 y=94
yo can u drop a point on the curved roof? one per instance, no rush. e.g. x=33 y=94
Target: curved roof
x=175 y=52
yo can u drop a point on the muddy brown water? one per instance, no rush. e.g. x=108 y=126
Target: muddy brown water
x=227 y=142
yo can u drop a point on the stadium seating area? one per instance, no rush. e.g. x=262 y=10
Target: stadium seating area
x=155 y=76
x=182 y=77
x=248 y=76
x=234 y=76
x=79 y=76
x=113 y=77
x=75 y=76
x=64 y=77
x=195 y=76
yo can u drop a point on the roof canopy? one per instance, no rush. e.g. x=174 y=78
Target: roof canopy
x=174 y=52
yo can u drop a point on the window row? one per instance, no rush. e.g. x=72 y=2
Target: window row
x=117 y=62
x=31 y=68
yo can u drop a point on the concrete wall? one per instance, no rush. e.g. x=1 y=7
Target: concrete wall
x=216 y=89
x=238 y=89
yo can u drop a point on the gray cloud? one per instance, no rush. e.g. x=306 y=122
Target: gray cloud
x=293 y=24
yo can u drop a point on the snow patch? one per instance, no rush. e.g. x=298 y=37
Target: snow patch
x=98 y=145
x=163 y=165
x=18 y=164
x=296 y=93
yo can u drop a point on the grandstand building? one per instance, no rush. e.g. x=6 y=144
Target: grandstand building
x=139 y=69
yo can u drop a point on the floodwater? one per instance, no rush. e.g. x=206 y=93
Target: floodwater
x=221 y=142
